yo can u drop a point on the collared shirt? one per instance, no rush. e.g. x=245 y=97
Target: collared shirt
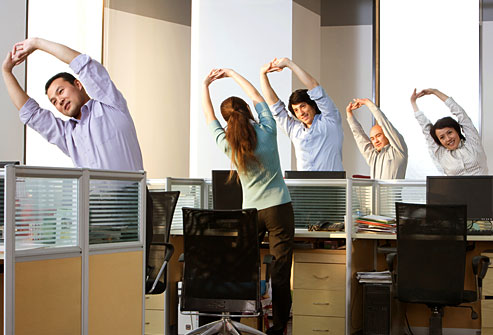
x=391 y=161
x=104 y=137
x=262 y=186
x=318 y=148
x=469 y=158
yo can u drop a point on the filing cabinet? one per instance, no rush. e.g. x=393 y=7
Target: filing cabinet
x=319 y=295
x=487 y=299
x=154 y=314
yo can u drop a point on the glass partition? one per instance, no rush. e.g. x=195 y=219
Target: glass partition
x=314 y=204
x=46 y=212
x=389 y=194
x=191 y=195
x=113 y=211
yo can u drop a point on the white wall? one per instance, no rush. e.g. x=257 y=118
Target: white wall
x=77 y=24
x=242 y=35
x=13 y=28
x=149 y=61
x=347 y=74
x=487 y=98
x=306 y=50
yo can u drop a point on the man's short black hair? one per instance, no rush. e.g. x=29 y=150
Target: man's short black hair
x=64 y=75
x=446 y=122
x=300 y=96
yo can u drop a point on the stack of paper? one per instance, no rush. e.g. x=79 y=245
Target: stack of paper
x=382 y=277
x=376 y=223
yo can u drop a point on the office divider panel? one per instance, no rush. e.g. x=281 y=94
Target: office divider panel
x=51 y=215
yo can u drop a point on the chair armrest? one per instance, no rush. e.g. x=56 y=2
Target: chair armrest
x=169 y=249
x=480 y=266
x=390 y=261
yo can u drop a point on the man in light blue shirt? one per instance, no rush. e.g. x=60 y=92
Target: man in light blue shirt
x=100 y=133
x=314 y=124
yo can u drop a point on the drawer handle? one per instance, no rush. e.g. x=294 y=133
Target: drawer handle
x=322 y=303
x=147 y=298
x=148 y=323
x=321 y=278
x=321 y=330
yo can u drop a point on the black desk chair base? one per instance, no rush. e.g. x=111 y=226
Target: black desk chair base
x=225 y=326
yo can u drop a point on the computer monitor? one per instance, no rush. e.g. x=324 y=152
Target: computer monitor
x=5 y=163
x=474 y=191
x=226 y=195
x=315 y=174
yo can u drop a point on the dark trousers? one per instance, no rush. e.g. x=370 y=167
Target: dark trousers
x=279 y=222
x=149 y=227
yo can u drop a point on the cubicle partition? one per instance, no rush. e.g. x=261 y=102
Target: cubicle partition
x=72 y=243
x=316 y=202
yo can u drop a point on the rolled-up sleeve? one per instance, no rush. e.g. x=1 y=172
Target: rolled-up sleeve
x=43 y=121
x=283 y=119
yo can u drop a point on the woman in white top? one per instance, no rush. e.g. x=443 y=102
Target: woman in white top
x=454 y=152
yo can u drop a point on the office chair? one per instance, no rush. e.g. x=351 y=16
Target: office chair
x=431 y=259
x=222 y=268
x=161 y=250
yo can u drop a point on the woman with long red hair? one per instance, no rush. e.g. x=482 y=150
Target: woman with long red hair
x=252 y=148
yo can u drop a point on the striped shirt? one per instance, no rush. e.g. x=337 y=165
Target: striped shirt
x=469 y=158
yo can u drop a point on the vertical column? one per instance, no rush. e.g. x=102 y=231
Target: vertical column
x=13 y=27
x=242 y=35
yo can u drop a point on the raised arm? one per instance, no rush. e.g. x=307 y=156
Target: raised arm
x=21 y=50
x=245 y=85
x=362 y=140
x=396 y=140
x=16 y=93
x=206 y=97
x=435 y=92
x=302 y=75
x=267 y=90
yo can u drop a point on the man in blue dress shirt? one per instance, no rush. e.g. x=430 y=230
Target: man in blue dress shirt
x=313 y=122
x=100 y=133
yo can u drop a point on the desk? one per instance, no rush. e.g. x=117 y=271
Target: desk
x=360 y=197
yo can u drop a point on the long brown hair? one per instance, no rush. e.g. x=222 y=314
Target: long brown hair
x=240 y=133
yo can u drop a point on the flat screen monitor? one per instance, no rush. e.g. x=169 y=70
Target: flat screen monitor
x=315 y=174
x=5 y=163
x=474 y=191
x=226 y=195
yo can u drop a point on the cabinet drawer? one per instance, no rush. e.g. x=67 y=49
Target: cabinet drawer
x=316 y=325
x=319 y=302
x=319 y=276
x=154 y=301
x=154 y=322
x=320 y=256
x=486 y=313
x=488 y=283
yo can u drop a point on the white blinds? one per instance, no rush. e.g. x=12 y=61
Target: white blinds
x=46 y=212
x=390 y=194
x=190 y=196
x=312 y=204
x=113 y=211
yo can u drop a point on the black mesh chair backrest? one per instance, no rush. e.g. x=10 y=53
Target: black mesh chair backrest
x=164 y=204
x=431 y=253
x=222 y=261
